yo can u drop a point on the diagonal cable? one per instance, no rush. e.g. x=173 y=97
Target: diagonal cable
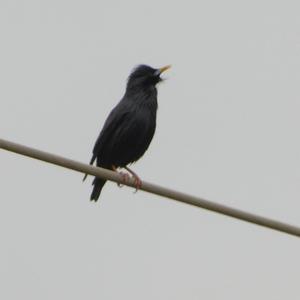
x=149 y=187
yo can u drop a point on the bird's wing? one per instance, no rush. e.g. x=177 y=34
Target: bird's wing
x=113 y=121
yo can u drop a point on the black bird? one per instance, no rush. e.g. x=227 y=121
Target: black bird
x=130 y=126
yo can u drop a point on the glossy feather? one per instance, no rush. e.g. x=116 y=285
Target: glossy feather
x=129 y=128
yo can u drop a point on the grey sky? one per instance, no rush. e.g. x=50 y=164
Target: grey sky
x=228 y=127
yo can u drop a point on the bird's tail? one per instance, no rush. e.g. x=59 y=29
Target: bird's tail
x=91 y=163
x=98 y=184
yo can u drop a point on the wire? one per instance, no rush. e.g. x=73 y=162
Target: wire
x=149 y=187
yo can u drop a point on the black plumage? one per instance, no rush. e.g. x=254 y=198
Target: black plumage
x=129 y=128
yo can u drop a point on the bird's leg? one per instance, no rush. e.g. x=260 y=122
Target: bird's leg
x=137 y=180
x=125 y=176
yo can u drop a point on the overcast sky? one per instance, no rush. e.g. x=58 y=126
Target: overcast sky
x=227 y=130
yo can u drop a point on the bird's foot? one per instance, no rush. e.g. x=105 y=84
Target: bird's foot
x=137 y=183
x=125 y=178
x=136 y=178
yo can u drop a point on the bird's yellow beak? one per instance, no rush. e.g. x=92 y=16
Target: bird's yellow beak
x=165 y=68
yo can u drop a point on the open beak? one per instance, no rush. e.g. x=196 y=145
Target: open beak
x=163 y=69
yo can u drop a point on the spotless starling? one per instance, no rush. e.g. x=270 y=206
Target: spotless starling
x=130 y=126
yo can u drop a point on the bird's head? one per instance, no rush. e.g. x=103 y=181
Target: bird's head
x=145 y=77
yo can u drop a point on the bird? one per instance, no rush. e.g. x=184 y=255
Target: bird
x=129 y=127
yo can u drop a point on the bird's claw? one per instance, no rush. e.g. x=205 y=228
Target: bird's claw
x=125 y=178
x=137 y=183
